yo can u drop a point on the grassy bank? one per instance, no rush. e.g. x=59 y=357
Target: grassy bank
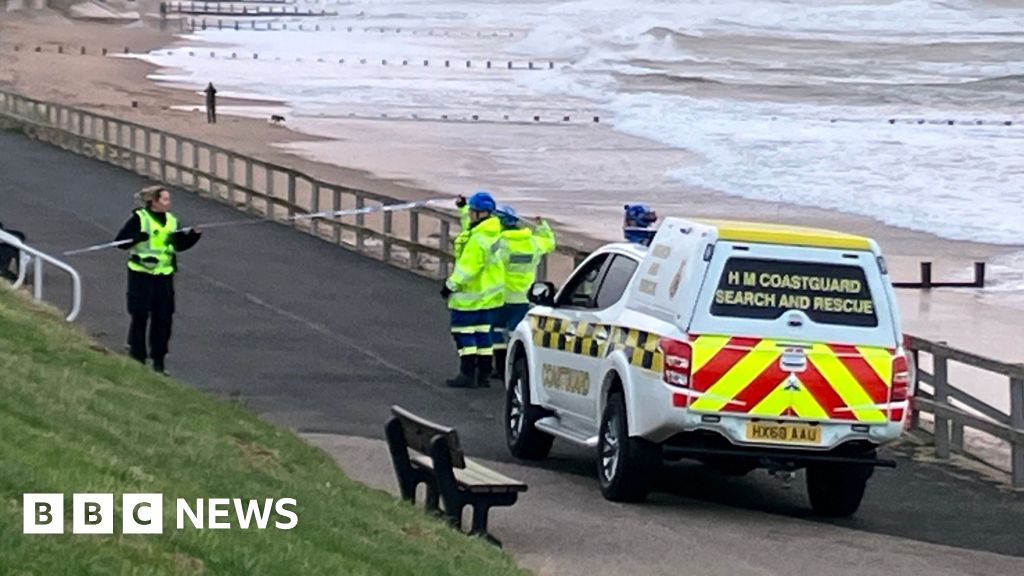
x=76 y=418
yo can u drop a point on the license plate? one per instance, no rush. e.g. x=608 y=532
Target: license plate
x=783 y=433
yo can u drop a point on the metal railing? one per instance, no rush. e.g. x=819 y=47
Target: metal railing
x=955 y=410
x=37 y=261
x=419 y=240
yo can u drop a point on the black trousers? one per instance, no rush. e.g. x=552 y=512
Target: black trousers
x=9 y=255
x=150 y=303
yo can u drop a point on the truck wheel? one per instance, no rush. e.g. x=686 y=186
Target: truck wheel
x=625 y=465
x=523 y=439
x=836 y=490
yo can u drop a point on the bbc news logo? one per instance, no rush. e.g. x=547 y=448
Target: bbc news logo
x=144 y=514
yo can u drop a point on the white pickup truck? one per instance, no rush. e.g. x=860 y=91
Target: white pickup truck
x=741 y=345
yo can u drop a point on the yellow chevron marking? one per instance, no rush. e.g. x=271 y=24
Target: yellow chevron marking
x=880 y=360
x=737 y=378
x=774 y=403
x=852 y=393
x=805 y=405
x=704 y=349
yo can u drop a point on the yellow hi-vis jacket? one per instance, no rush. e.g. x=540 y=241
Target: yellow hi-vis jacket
x=156 y=255
x=524 y=249
x=460 y=240
x=478 y=281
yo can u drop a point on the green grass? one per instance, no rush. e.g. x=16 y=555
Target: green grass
x=76 y=418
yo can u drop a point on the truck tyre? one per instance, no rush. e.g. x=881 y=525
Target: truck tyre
x=523 y=439
x=625 y=465
x=836 y=490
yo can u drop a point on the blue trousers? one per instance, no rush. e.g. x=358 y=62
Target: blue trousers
x=472 y=331
x=505 y=321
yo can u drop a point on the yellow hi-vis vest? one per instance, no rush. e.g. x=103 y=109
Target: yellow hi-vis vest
x=524 y=249
x=156 y=255
x=478 y=281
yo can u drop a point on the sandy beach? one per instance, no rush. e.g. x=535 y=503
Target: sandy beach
x=415 y=159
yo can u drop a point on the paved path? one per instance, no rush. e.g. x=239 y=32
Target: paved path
x=322 y=340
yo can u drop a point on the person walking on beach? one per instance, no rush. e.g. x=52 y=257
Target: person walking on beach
x=475 y=291
x=211 y=104
x=152 y=262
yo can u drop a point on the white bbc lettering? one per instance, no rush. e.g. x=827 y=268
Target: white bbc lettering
x=183 y=510
x=253 y=509
x=218 y=508
x=92 y=514
x=43 y=513
x=281 y=509
x=142 y=514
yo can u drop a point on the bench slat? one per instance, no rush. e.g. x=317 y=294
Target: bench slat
x=475 y=477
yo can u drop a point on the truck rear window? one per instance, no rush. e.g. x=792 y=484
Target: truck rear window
x=766 y=289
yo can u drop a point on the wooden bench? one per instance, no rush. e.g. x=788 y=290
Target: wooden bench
x=424 y=452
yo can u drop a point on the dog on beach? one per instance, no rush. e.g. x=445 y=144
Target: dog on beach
x=276 y=119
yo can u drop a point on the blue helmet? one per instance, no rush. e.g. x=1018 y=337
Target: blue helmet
x=640 y=215
x=638 y=218
x=508 y=216
x=482 y=201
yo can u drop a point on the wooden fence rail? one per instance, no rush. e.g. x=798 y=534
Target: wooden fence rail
x=955 y=410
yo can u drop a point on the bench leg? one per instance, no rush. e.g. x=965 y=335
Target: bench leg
x=453 y=510
x=480 y=513
x=431 y=502
x=480 y=519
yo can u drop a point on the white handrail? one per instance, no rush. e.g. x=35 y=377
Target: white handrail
x=38 y=258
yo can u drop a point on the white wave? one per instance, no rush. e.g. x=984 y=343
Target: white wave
x=958 y=182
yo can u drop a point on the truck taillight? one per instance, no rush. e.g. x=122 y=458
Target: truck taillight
x=901 y=379
x=678 y=355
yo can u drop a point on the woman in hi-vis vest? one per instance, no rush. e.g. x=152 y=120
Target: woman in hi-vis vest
x=151 y=266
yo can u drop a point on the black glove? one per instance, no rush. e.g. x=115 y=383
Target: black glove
x=141 y=237
x=445 y=292
x=460 y=201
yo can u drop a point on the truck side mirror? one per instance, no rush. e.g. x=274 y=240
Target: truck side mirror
x=542 y=294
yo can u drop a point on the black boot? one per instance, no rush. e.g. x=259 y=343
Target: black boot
x=467 y=373
x=484 y=366
x=499 y=364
